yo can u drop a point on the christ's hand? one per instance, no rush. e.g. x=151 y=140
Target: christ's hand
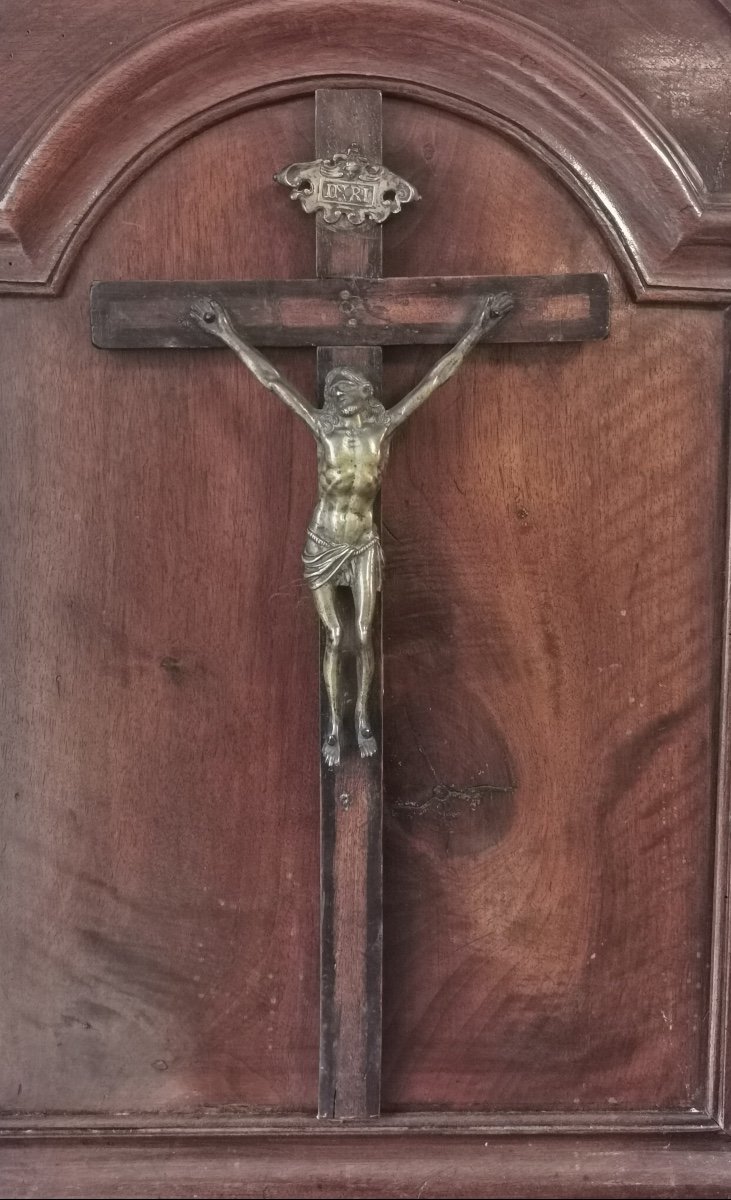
x=494 y=308
x=212 y=317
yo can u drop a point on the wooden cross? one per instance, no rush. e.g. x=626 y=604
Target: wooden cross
x=349 y=312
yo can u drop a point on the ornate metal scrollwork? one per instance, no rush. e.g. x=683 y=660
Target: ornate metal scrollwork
x=347 y=188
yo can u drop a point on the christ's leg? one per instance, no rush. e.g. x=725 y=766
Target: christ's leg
x=365 y=593
x=324 y=598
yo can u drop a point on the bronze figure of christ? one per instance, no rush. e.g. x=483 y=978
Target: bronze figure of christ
x=353 y=432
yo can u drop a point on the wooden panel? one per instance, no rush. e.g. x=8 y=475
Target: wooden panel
x=584 y=684
x=550 y=837
x=50 y=52
x=342 y=1165
x=670 y=228
x=350 y=312
x=113 y=776
x=553 y=535
x=159 y=899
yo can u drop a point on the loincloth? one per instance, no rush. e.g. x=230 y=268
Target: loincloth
x=336 y=562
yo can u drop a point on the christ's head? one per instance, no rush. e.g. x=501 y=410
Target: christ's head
x=348 y=392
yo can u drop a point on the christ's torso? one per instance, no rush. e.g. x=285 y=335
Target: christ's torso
x=350 y=463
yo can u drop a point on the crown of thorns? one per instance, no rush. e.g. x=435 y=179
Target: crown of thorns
x=343 y=375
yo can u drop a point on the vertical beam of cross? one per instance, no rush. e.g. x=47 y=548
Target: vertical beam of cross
x=351 y=793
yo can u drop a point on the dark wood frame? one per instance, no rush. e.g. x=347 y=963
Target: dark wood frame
x=672 y=239
x=670 y=234
x=311 y=1163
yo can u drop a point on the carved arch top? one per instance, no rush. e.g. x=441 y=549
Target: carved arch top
x=671 y=236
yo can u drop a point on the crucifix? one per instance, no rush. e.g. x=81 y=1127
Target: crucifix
x=349 y=312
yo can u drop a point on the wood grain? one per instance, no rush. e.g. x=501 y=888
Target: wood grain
x=49 y=52
x=719 y=1014
x=343 y=118
x=553 y=624
x=351 y=866
x=551 y=629
x=159 y=740
x=668 y=226
x=348 y=311
x=365 y=1165
x=351 y=793
x=571 y=430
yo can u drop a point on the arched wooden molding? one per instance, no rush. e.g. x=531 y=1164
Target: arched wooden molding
x=671 y=237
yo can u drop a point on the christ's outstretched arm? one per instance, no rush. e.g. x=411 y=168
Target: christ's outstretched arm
x=212 y=317
x=491 y=313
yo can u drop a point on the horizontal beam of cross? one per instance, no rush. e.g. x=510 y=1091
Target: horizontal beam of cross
x=349 y=312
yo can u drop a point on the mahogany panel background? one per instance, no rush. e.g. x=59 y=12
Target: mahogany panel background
x=159 y=892
x=554 y=539
x=554 y=542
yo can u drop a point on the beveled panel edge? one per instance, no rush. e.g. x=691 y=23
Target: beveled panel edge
x=234 y=1125
x=719 y=1031
x=422 y=1167
x=671 y=236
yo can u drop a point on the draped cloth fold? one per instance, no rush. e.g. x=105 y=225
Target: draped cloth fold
x=325 y=561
